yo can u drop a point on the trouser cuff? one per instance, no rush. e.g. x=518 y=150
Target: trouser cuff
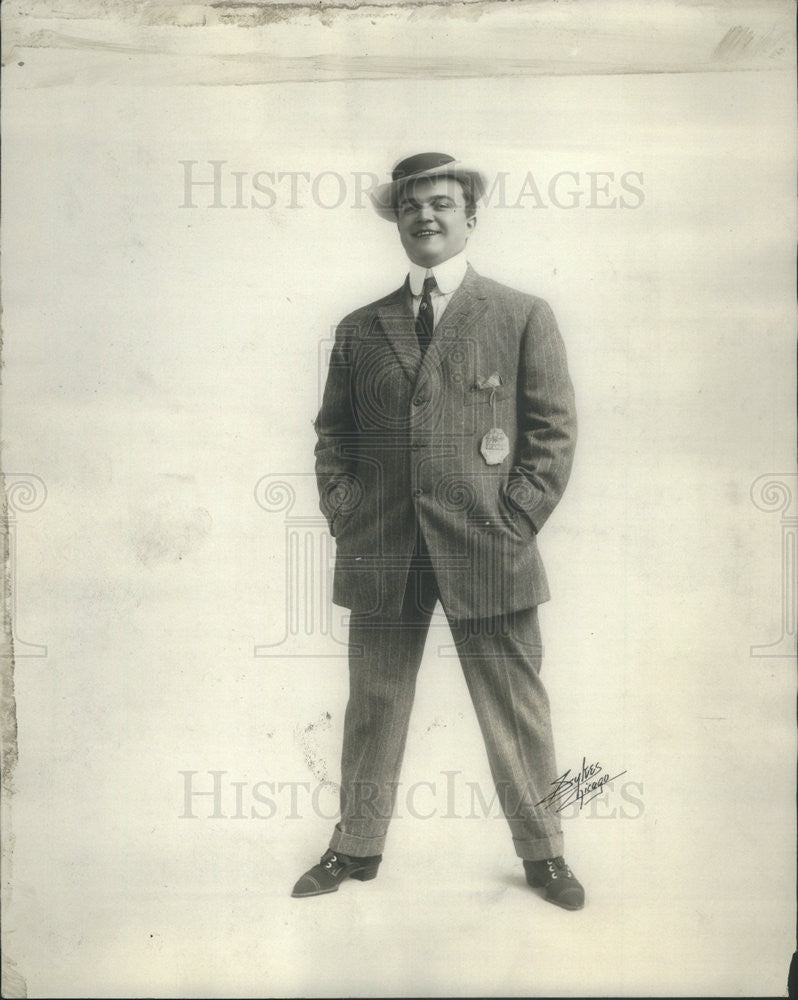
x=540 y=849
x=359 y=847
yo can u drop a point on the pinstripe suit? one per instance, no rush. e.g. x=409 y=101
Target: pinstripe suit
x=419 y=516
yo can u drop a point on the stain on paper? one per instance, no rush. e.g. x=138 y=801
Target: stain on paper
x=308 y=739
x=169 y=532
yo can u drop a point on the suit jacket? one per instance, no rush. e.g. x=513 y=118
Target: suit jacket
x=399 y=446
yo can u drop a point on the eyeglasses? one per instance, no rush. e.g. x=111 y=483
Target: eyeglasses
x=408 y=207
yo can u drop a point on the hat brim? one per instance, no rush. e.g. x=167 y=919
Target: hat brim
x=383 y=196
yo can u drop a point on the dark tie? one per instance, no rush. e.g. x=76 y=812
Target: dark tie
x=425 y=321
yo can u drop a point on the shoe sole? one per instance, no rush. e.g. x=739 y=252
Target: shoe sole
x=556 y=902
x=565 y=906
x=362 y=875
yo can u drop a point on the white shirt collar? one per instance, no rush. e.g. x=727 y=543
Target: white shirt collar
x=448 y=275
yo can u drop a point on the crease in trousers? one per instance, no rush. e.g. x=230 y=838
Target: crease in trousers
x=501 y=661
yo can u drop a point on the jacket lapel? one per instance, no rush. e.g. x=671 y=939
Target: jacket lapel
x=466 y=306
x=396 y=318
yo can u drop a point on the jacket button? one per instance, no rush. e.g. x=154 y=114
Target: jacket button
x=419 y=400
x=418 y=493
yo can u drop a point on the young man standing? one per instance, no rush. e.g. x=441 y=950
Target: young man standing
x=445 y=440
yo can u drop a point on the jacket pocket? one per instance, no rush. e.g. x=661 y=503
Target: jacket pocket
x=473 y=395
x=519 y=521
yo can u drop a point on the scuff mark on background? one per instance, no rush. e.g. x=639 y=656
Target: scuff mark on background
x=308 y=739
x=169 y=531
x=248 y=43
x=12 y=984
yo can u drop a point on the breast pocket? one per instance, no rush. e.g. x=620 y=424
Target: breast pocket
x=474 y=396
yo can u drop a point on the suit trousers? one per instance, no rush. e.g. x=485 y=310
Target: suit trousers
x=501 y=660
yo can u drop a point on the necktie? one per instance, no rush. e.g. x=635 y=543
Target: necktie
x=425 y=321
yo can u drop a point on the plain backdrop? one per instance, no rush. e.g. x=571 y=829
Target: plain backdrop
x=160 y=360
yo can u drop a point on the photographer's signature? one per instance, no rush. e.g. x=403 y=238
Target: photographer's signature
x=581 y=787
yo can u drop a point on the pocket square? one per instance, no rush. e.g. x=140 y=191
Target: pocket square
x=489 y=382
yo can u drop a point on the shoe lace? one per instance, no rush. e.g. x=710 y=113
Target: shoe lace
x=557 y=867
x=333 y=863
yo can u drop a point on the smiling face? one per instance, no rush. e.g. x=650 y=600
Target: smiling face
x=432 y=220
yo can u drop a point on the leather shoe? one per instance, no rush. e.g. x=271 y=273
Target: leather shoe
x=332 y=870
x=561 y=885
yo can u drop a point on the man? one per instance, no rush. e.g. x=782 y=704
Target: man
x=445 y=440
